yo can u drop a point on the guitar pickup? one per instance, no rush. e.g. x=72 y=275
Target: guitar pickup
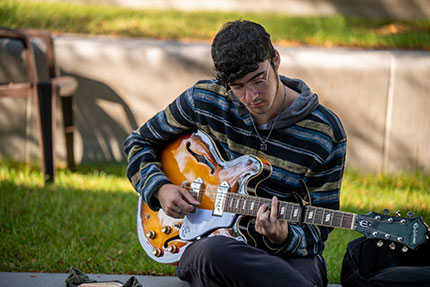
x=196 y=187
x=220 y=198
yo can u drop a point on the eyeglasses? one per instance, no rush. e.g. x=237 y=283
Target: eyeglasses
x=256 y=86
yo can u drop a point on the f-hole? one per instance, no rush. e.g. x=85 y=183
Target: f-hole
x=200 y=158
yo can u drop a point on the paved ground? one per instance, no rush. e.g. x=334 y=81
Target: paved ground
x=18 y=279
x=23 y=279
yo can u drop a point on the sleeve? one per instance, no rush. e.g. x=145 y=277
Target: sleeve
x=324 y=183
x=144 y=145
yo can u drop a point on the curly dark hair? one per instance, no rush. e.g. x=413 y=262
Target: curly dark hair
x=238 y=48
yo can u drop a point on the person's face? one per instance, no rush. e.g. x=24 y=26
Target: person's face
x=257 y=90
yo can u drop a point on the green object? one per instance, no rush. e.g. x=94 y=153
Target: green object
x=132 y=282
x=77 y=277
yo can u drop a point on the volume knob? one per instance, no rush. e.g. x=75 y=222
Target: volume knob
x=157 y=252
x=172 y=248
x=166 y=229
x=151 y=234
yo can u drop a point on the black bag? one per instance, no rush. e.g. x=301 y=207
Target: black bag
x=365 y=264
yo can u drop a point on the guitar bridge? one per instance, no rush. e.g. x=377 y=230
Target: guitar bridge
x=220 y=198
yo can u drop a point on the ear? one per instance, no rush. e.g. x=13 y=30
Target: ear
x=277 y=60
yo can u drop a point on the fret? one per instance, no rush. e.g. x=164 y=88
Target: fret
x=231 y=202
x=261 y=202
x=328 y=217
x=296 y=212
x=236 y=207
x=227 y=200
x=289 y=211
x=244 y=204
x=319 y=216
x=323 y=217
x=305 y=214
x=310 y=214
x=251 y=208
x=348 y=220
x=354 y=216
x=336 y=220
x=282 y=210
x=237 y=204
x=332 y=217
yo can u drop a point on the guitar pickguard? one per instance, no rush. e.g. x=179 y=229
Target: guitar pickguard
x=203 y=222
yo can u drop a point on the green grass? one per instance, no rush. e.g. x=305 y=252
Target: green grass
x=86 y=219
x=177 y=25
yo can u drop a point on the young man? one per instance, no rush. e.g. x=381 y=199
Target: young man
x=249 y=109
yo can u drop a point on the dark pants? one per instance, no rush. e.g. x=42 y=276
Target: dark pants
x=223 y=261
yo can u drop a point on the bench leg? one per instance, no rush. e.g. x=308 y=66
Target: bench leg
x=67 y=108
x=46 y=115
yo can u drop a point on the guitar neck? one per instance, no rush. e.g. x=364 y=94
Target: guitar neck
x=249 y=205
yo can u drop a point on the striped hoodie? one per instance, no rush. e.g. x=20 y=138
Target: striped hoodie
x=308 y=143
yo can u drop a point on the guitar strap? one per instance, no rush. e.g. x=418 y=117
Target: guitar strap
x=305 y=191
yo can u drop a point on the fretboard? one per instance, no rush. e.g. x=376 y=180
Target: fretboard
x=249 y=205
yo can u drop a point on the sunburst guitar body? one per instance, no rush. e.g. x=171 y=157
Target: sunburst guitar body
x=194 y=162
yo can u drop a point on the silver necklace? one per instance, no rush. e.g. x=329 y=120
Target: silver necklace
x=263 y=145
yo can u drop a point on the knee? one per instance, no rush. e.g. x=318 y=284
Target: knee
x=216 y=250
x=207 y=260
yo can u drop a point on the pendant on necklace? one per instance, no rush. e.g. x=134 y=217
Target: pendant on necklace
x=263 y=147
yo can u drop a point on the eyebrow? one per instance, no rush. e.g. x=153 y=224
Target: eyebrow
x=250 y=80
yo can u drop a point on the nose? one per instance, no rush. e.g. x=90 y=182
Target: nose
x=250 y=94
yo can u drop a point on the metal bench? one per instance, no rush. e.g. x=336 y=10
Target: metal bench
x=28 y=69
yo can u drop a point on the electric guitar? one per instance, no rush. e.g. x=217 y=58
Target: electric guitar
x=229 y=203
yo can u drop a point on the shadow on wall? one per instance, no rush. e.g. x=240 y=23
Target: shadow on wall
x=103 y=121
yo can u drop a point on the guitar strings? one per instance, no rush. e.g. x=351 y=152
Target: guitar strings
x=335 y=215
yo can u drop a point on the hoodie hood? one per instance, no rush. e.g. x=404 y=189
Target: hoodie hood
x=302 y=107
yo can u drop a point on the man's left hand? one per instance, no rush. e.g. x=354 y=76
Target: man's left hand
x=268 y=224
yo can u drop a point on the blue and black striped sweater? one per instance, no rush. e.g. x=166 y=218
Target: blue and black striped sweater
x=308 y=143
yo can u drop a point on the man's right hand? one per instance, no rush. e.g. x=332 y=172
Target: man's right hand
x=176 y=201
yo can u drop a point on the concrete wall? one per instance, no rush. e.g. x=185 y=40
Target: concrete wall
x=380 y=96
